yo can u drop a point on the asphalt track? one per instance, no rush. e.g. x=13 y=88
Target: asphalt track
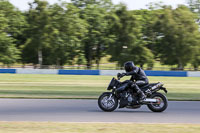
x=87 y=111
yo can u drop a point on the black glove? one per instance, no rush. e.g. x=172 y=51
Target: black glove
x=120 y=75
x=123 y=74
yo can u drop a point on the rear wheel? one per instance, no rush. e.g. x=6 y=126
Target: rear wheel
x=161 y=103
x=107 y=102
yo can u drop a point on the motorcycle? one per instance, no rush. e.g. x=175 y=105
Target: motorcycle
x=124 y=97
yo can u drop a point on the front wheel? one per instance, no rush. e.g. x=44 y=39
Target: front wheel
x=107 y=102
x=161 y=104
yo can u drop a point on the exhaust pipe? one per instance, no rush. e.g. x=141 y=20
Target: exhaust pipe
x=149 y=100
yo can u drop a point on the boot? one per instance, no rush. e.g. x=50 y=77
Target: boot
x=140 y=93
x=141 y=96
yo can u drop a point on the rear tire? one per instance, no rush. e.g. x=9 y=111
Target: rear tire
x=162 y=100
x=107 y=104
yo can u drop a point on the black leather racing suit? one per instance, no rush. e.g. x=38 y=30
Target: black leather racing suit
x=138 y=79
x=138 y=76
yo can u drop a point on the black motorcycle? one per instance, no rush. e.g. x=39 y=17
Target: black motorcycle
x=123 y=96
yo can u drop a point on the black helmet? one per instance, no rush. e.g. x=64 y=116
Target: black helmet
x=129 y=66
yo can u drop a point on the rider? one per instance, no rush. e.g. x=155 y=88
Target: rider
x=138 y=78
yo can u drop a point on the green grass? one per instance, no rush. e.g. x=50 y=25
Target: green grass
x=71 y=86
x=56 y=127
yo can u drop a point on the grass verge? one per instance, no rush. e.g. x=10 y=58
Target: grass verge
x=56 y=127
x=81 y=86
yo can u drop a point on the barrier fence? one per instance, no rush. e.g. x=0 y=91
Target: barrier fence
x=99 y=72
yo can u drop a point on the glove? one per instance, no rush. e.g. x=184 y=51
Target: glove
x=123 y=74
x=120 y=75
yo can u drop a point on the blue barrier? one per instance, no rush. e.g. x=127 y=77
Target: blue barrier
x=7 y=70
x=79 y=72
x=167 y=73
x=104 y=72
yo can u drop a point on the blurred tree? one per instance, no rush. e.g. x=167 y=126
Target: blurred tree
x=177 y=36
x=84 y=3
x=107 y=4
x=81 y=59
x=194 y=6
x=37 y=32
x=54 y=35
x=196 y=59
x=16 y=20
x=96 y=13
x=68 y=30
x=12 y=24
x=147 y=20
x=129 y=44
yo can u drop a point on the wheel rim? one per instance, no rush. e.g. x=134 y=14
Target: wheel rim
x=159 y=104
x=108 y=102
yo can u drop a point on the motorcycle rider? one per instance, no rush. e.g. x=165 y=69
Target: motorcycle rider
x=138 y=78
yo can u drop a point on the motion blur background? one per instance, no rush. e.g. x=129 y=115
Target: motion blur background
x=100 y=34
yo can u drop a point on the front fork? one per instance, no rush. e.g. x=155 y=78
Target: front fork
x=110 y=97
x=112 y=94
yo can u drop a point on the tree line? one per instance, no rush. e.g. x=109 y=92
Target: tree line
x=83 y=31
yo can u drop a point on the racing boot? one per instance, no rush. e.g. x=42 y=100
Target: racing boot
x=142 y=96
x=140 y=93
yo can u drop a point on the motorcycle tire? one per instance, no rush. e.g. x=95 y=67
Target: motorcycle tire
x=109 y=105
x=155 y=107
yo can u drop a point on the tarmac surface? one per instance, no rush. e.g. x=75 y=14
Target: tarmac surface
x=65 y=110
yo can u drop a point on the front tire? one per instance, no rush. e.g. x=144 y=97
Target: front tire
x=161 y=105
x=107 y=102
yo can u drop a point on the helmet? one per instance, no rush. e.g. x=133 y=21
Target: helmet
x=129 y=66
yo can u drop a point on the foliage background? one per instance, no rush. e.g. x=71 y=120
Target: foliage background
x=85 y=31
